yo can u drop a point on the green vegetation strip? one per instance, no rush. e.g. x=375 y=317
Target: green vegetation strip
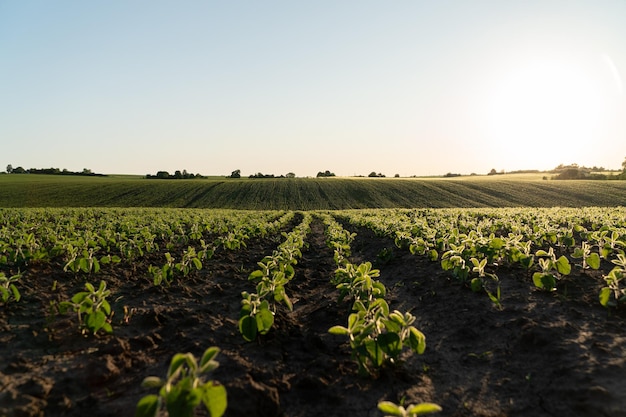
x=305 y=193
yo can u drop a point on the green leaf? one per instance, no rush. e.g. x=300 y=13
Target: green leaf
x=339 y=330
x=447 y=264
x=374 y=352
x=423 y=409
x=390 y=343
x=353 y=319
x=79 y=297
x=497 y=243
x=563 y=266
x=177 y=362
x=95 y=321
x=248 y=328
x=433 y=255
x=548 y=282
x=417 y=340
x=537 y=280
x=214 y=398
x=83 y=265
x=264 y=320
x=106 y=307
x=197 y=263
x=148 y=406
x=390 y=408
x=258 y=274
x=593 y=261
x=605 y=296
x=107 y=327
x=208 y=356
x=152 y=382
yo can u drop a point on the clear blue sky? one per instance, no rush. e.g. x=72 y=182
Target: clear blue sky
x=397 y=87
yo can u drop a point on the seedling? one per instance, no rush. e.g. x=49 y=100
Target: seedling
x=589 y=259
x=614 y=293
x=377 y=336
x=255 y=316
x=184 y=389
x=484 y=280
x=8 y=289
x=551 y=269
x=92 y=309
x=413 y=410
x=163 y=274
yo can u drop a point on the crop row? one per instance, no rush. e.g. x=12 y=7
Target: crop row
x=474 y=244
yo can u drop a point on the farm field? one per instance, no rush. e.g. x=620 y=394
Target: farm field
x=522 y=310
x=308 y=193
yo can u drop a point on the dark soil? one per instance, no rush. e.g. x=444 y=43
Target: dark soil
x=543 y=354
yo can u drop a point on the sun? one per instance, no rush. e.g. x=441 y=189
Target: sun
x=544 y=112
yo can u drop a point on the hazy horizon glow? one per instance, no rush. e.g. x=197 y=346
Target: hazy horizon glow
x=405 y=87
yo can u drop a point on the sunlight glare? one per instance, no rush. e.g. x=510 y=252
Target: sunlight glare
x=545 y=113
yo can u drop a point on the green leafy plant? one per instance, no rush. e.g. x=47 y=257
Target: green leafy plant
x=255 y=316
x=614 y=293
x=92 y=309
x=184 y=389
x=357 y=282
x=413 y=410
x=188 y=260
x=163 y=274
x=274 y=273
x=377 y=336
x=8 y=289
x=453 y=260
x=552 y=268
x=589 y=259
x=485 y=280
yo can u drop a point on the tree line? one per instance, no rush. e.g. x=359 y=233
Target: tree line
x=51 y=171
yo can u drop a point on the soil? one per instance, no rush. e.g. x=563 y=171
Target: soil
x=542 y=354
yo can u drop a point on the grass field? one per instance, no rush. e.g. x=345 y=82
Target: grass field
x=307 y=193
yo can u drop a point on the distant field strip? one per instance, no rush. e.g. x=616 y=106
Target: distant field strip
x=305 y=193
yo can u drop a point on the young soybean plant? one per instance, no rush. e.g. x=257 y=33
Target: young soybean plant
x=91 y=307
x=183 y=390
x=8 y=289
x=413 y=410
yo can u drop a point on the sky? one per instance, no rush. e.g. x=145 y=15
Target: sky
x=407 y=87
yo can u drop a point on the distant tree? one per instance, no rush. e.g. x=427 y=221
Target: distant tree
x=87 y=171
x=9 y=168
x=163 y=174
x=325 y=174
x=373 y=174
x=493 y=172
x=572 y=173
x=397 y=176
x=290 y=175
x=19 y=170
x=261 y=175
x=236 y=174
x=623 y=166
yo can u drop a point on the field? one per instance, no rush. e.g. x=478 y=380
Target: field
x=308 y=193
x=521 y=309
